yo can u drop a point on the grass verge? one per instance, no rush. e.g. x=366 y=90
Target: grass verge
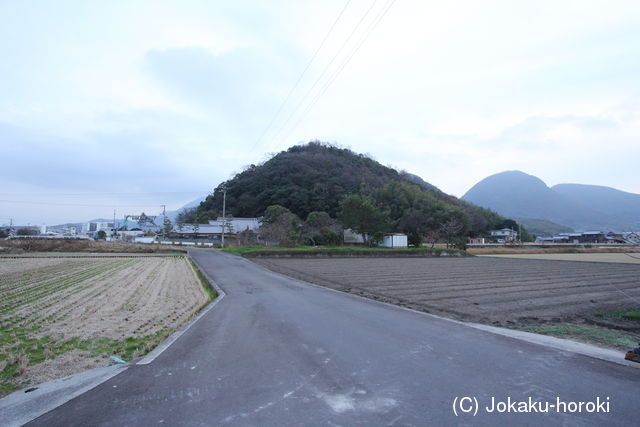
x=21 y=348
x=623 y=314
x=208 y=288
x=588 y=334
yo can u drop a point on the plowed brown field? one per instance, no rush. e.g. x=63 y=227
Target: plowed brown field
x=498 y=291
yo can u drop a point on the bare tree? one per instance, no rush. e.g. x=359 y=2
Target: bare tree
x=432 y=236
x=451 y=228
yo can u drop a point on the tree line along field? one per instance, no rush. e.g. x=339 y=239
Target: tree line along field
x=65 y=314
x=526 y=293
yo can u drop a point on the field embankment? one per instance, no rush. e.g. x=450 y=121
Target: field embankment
x=64 y=315
x=31 y=245
x=342 y=252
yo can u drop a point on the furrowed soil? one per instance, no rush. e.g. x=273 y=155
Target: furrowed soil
x=497 y=291
x=63 y=315
x=625 y=258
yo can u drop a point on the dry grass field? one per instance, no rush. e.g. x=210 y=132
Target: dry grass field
x=61 y=315
x=526 y=293
x=53 y=246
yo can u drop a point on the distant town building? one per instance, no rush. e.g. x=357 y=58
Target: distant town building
x=94 y=227
x=631 y=237
x=504 y=235
x=590 y=237
x=214 y=227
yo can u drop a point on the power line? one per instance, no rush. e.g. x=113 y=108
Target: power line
x=295 y=110
x=295 y=86
x=374 y=23
x=97 y=193
x=29 y=202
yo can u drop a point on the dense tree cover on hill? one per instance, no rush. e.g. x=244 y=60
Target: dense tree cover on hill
x=305 y=178
x=357 y=190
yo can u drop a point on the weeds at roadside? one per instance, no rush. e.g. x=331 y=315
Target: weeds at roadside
x=589 y=334
x=624 y=314
x=25 y=352
x=204 y=283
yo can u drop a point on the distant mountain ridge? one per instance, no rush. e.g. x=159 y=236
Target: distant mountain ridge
x=581 y=207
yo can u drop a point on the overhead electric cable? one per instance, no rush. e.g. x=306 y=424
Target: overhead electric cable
x=295 y=86
x=98 y=193
x=29 y=202
x=295 y=110
x=335 y=74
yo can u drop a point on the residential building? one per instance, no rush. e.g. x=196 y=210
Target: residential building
x=214 y=227
x=504 y=235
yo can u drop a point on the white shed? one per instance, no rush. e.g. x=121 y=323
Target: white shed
x=394 y=240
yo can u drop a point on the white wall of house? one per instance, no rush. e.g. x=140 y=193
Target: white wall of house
x=395 y=240
x=233 y=225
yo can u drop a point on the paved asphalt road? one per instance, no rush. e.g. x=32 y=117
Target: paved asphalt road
x=278 y=352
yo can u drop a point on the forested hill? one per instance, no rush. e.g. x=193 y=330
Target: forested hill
x=305 y=178
x=317 y=176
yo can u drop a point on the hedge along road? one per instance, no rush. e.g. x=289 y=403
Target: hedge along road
x=276 y=351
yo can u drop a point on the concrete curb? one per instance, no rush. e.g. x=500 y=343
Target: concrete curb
x=20 y=407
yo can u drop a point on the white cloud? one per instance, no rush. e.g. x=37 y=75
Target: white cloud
x=179 y=93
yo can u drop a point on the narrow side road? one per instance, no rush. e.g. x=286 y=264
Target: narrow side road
x=276 y=352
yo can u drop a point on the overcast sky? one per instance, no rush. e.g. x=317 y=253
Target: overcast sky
x=128 y=105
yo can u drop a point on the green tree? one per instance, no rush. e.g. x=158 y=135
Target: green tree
x=525 y=235
x=273 y=212
x=26 y=232
x=101 y=235
x=166 y=226
x=361 y=214
x=180 y=221
x=320 y=228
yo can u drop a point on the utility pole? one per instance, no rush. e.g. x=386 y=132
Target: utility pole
x=224 y=217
